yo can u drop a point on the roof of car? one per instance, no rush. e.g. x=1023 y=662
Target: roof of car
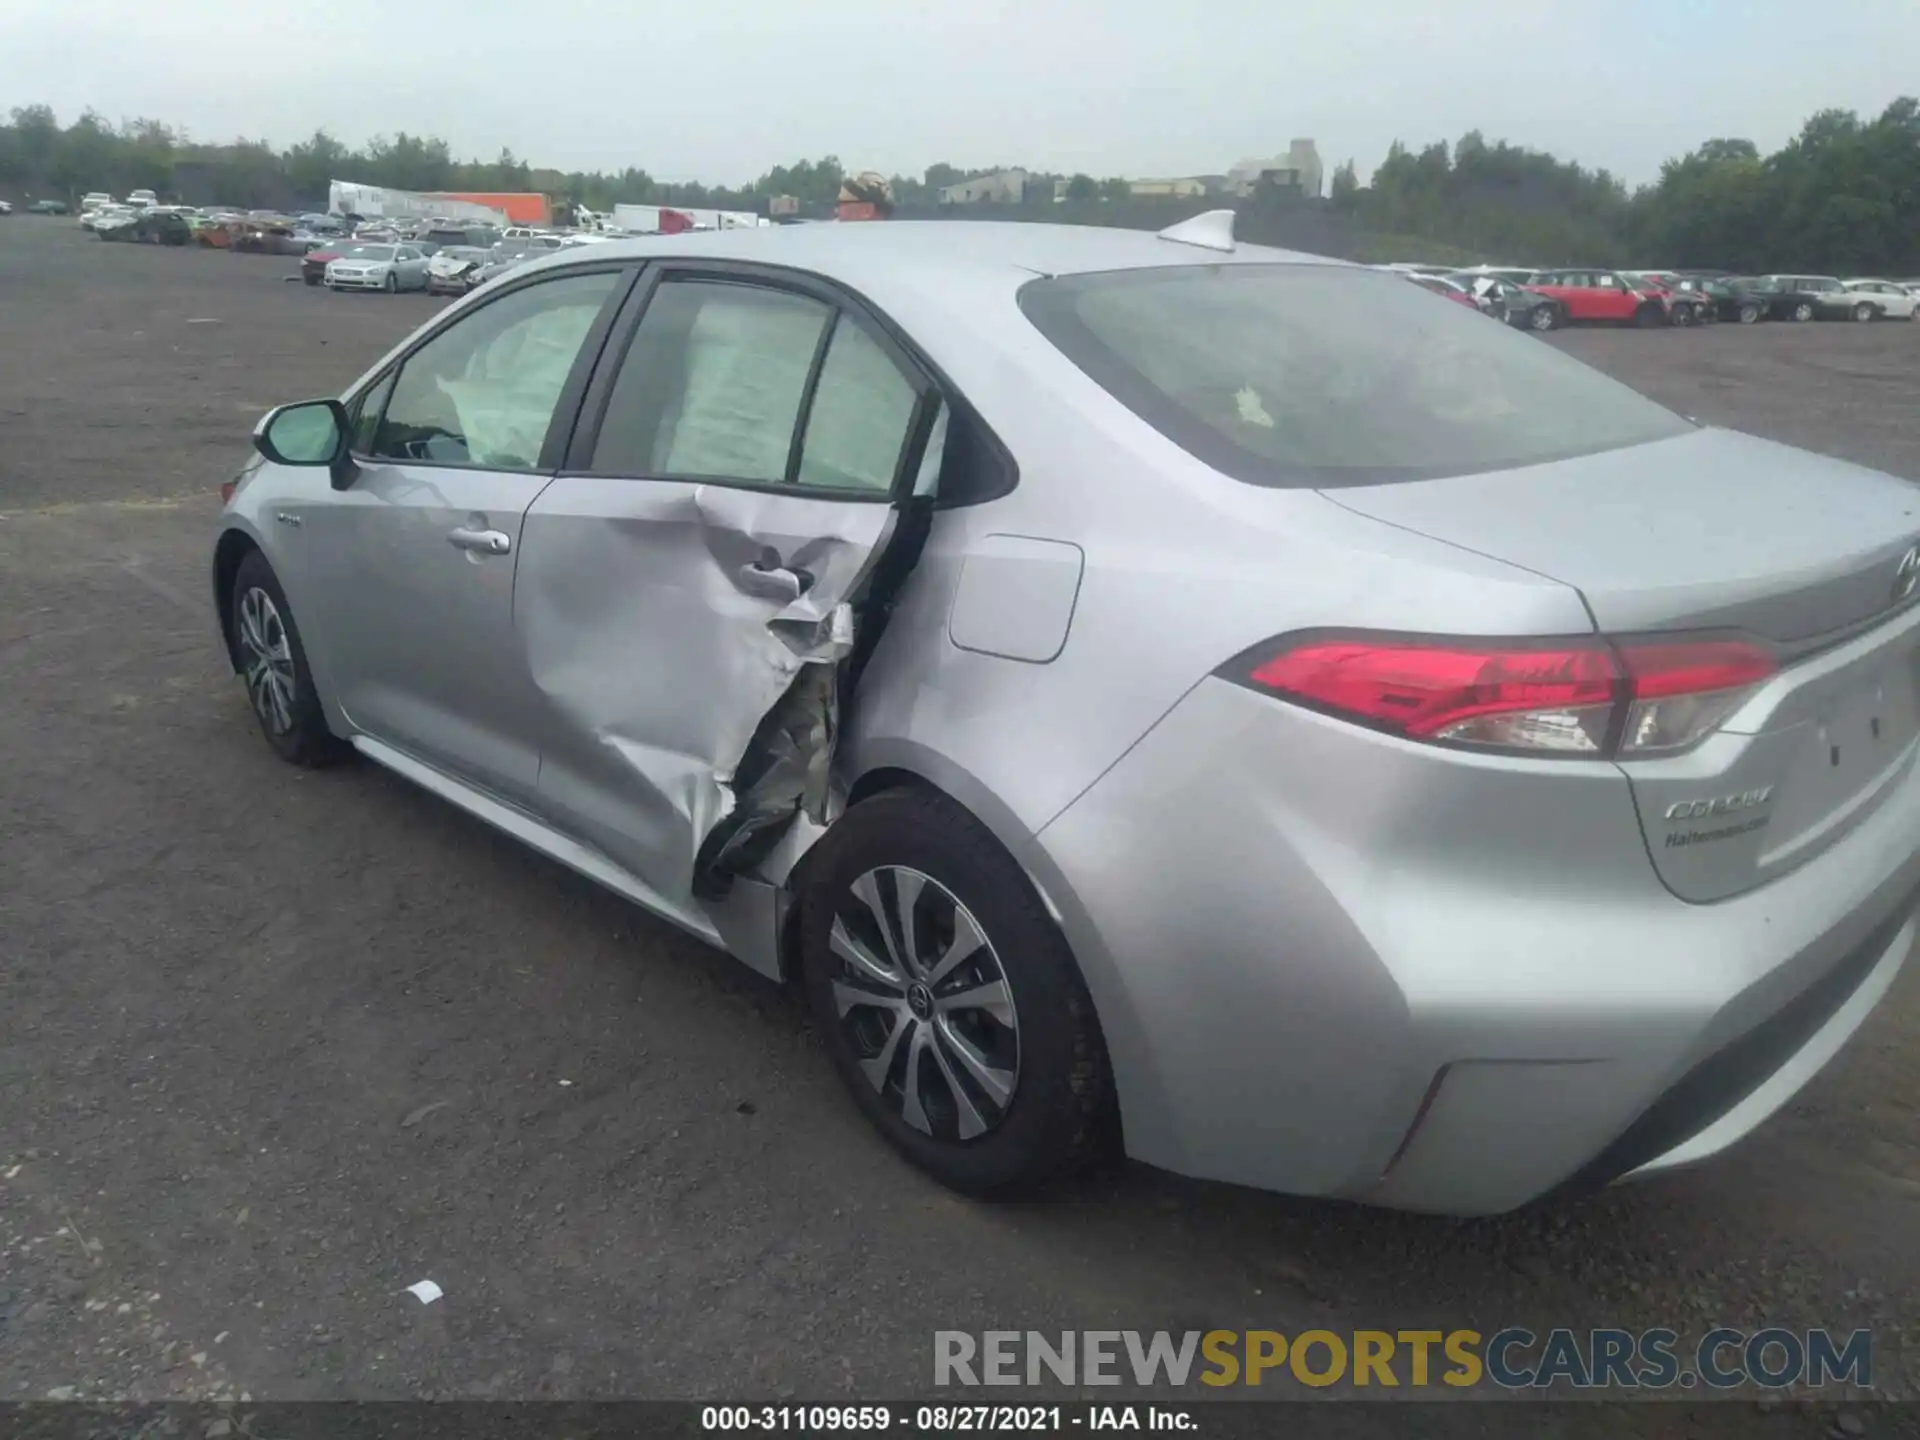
x=847 y=250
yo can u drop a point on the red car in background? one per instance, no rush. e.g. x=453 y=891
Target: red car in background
x=1610 y=296
x=313 y=265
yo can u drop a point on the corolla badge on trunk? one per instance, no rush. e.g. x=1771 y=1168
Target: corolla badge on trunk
x=1720 y=804
x=1906 y=575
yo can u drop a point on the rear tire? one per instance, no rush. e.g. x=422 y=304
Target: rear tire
x=1864 y=313
x=311 y=279
x=1544 y=318
x=1803 y=312
x=1647 y=316
x=1749 y=314
x=273 y=664
x=1680 y=317
x=991 y=1099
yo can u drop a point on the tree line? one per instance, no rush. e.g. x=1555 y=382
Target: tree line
x=1842 y=195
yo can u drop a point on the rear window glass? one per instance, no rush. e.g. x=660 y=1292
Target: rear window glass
x=1309 y=375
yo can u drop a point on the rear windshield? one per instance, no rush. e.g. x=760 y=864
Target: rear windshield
x=1317 y=376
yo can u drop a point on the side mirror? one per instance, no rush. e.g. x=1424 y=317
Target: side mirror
x=313 y=432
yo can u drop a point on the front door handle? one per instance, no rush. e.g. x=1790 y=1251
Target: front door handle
x=481 y=542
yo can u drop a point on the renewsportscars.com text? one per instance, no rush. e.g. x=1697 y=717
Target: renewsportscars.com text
x=1513 y=1358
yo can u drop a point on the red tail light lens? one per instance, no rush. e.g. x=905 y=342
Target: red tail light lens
x=1683 y=690
x=1571 y=698
x=226 y=491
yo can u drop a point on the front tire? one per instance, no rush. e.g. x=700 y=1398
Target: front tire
x=948 y=998
x=1803 y=312
x=392 y=283
x=273 y=663
x=1544 y=318
x=1749 y=314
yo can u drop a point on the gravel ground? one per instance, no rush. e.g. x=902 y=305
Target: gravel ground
x=275 y=1045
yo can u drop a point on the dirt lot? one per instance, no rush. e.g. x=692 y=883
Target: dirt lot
x=274 y=1045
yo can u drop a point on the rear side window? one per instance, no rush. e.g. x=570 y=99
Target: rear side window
x=755 y=385
x=1318 y=376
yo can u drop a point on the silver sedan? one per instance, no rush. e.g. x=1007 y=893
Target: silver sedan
x=388 y=267
x=1144 y=690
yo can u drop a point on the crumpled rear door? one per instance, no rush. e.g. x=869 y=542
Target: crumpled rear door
x=687 y=639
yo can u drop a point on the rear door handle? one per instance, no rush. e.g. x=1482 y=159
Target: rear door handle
x=482 y=542
x=768 y=578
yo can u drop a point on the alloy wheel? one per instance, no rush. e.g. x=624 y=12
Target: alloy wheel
x=267 y=661
x=1542 y=317
x=923 y=1001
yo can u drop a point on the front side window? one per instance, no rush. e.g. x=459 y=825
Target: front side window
x=1316 y=376
x=483 y=391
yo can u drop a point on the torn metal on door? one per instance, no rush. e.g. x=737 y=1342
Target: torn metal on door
x=689 y=639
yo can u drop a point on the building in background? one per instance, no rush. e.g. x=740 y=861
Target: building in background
x=1002 y=187
x=1185 y=187
x=1298 y=169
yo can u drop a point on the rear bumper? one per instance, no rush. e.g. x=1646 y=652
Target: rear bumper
x=1329 y=962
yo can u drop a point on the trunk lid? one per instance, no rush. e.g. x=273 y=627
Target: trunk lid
x=1710 y=530
x=1721 y=531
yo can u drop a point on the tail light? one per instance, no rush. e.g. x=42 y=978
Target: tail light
x=1574 y=698
x=227 y=487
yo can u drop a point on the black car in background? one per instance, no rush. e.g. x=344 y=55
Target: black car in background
x=1733 y=297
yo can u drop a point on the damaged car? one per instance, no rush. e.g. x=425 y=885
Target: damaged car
x=456 y=269
x=1143 y=691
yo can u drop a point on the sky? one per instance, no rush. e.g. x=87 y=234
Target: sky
x=722 y=90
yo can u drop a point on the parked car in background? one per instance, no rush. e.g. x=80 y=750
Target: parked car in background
x=94 y=200
x=142 y=199
x=1683 y=307
x=506 y=256
x=378 y=267
x=1731 y=297
x=47 y=207
x=1814 y=297
x=456 y=269
x=1891 y=300
x=1441 y=847
x=313 y=265
x=482 y=237
x=1589 y=296
x=1512 y=303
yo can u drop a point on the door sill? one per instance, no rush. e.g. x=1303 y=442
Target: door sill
x=542 y=837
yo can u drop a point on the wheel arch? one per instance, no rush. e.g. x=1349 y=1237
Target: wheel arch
x=903 y=765
x=229 y=553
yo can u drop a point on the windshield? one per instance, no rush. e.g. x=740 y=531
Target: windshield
x=1309 y=375
x=367 y=252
